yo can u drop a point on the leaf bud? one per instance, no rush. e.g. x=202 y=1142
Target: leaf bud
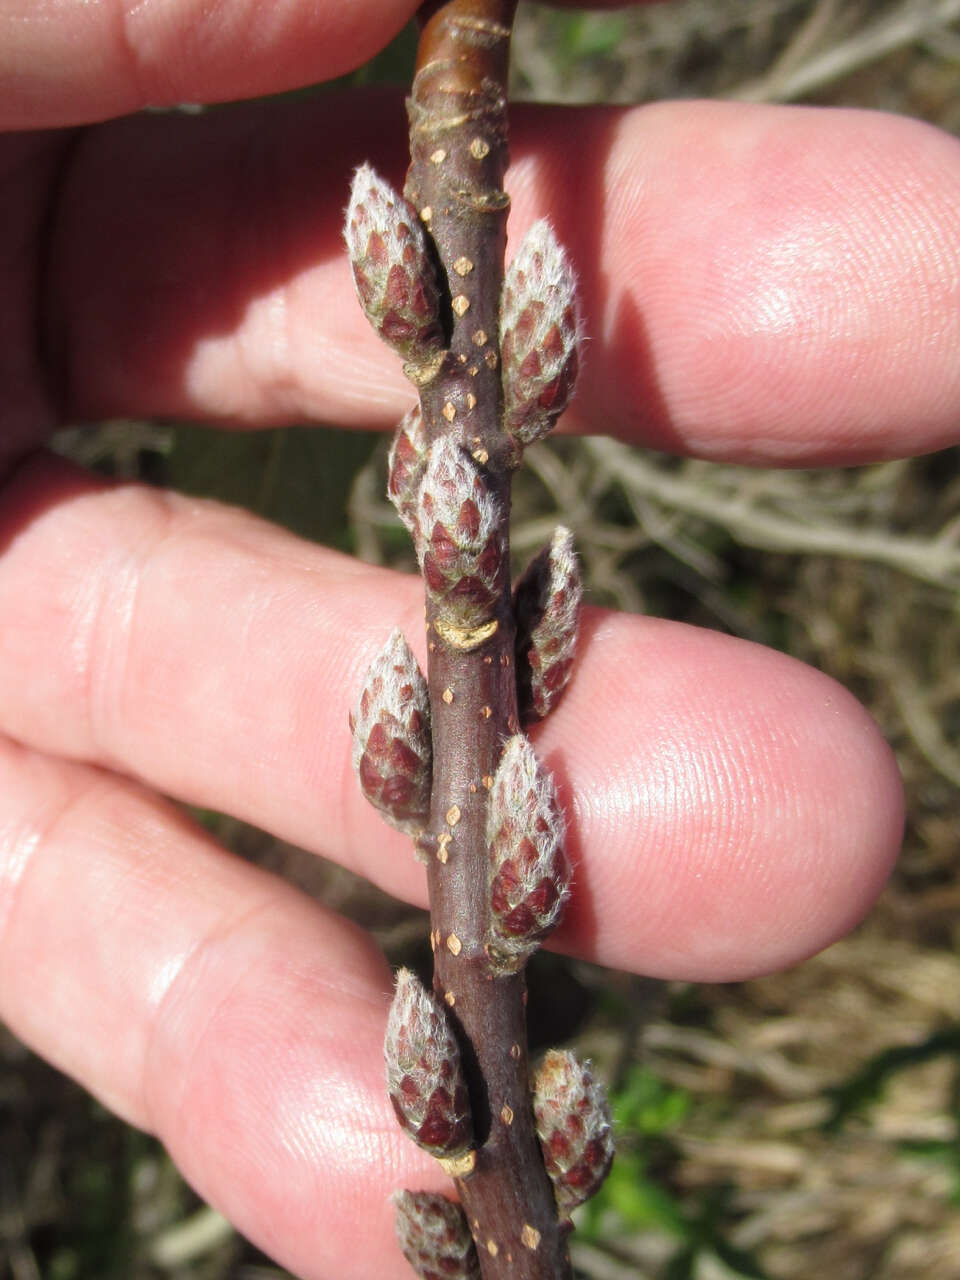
x=529 y=872
x=540 y=335
x=434 y=1236
x=392 y=752
x=547 y=609
x=459 y=545
x=425 y=1077
x=406 y=464
x=574 y=1127
x=394 y=275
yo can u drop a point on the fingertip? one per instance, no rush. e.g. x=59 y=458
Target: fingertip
x=740 y=812
x=775 y=285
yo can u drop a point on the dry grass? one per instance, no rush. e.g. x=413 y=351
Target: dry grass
x=804 y=1124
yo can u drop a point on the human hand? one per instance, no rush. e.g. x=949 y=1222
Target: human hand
x=762 y=284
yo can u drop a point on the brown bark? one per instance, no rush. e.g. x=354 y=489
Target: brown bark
x=458 y=144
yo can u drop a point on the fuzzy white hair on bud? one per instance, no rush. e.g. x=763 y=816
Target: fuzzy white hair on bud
x=574 y=1127
x=522 y=791
x=434 y=1236
x=406 y=464
x=547 y=606
x=402 y=687
x=424 y=1074
x=451 y=479
x=459 y=544
x=564 y=567
x=529 y=872
x=368 y=190
x=416 y=1027
x=545 y=263
x=392 y=750
x=375 y=207
x=541 y=334
x=394 y=274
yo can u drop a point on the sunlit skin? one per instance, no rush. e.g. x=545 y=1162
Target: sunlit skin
x=760 y=284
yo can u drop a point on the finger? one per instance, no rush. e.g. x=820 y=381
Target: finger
x=775 y=285
x=761 y=283
x=731 y=811
x=75 y=62
x=209 y=1003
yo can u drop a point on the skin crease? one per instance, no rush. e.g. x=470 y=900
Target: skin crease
x=767 y=284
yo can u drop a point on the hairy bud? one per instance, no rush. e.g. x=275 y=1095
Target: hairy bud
x=424 y=1075
x=459 y=548
x=407 y=462
x=547 y=608
x=394 y=275
x=574 y=1127
x=529 y=872
x=434 y=1236
x=539 y=335
x=392 y=752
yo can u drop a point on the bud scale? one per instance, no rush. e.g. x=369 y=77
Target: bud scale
x=459 y=545
x=434 y=1236
x=529 y=872
x=539 y=335
x=406 y=464
x=393 y=272
x=574 y=1127
x=424 y=1074
x=547 y=607
x=392 y=752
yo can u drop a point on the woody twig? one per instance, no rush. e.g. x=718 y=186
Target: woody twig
x=445 y=759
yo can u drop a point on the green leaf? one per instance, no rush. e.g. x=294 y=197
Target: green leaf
x=599 y=35
x=646 y=1105
x=866 y=1085
x=637 y=1201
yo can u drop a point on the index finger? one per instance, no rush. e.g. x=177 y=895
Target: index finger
x=772 y=284
x=73 y=62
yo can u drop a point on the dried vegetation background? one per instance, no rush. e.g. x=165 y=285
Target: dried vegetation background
x=804 y=1124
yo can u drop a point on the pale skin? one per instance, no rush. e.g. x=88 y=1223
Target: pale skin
x=766 y=285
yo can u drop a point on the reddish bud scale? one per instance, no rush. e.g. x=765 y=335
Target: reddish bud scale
x=540 y=335
x=407 y=462
x=459 y=544
x=529 y=872
x=574 y=1127
x=393 y=272
x=392 y=752
x=434 y=1236
x=424 y=1075
x=547 y=609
